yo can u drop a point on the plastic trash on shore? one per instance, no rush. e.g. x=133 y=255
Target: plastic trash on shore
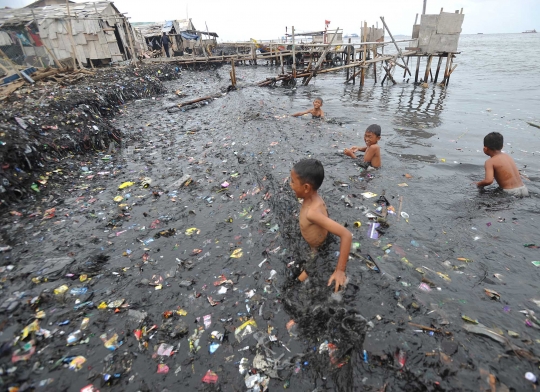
x=210 y=377
x=245 y=329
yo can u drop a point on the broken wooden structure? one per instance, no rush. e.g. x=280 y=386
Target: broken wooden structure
x=185 y=39
x=436 y=36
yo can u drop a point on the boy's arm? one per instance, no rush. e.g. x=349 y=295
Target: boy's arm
x=490 y=174
x=302 y=113
x=371 y=152
x=319 y=219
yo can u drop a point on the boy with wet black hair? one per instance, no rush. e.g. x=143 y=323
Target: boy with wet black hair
x=306 y=178
x=316 y=112
x=372 y=151
x=501 y=167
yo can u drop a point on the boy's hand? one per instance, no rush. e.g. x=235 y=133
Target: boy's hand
x=339 y=277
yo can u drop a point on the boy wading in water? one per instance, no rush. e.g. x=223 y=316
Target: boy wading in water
x=372 y=151
x=306 y=178
x=316 y=112
x=501 y=167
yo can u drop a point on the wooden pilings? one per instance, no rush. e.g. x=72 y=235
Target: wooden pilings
x=417 y=69
x=363 y=70
x=438 y=69
x=233 y=74
x=428 y=68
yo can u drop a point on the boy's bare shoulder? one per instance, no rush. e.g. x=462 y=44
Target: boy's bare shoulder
x=317 y=206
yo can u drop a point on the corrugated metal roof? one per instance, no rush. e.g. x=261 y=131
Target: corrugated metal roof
x=10 y=17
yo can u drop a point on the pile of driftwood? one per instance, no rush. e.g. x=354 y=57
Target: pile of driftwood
x=64 y=76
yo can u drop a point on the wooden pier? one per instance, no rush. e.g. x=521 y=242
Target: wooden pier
x=306 y=60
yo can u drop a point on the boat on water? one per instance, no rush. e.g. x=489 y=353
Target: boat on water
x=529 y=31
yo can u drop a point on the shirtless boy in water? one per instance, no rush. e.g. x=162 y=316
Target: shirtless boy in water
x=316 y=112
x=306 y=178
x=501 y=167
x=372 y=151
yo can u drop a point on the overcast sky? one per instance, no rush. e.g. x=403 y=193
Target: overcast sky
x=244 y=19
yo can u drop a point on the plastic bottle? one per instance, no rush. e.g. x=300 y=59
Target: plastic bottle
x=78 y=290
x=85 y=322
x=74 y=337
x=531 y=377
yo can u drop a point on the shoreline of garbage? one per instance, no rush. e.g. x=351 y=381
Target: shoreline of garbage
x=46 y=122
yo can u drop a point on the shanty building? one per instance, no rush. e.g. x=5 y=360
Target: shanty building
x=186 y=39
x=91 y=32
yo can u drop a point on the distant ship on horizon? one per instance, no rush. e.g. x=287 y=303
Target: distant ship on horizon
x=529 y=31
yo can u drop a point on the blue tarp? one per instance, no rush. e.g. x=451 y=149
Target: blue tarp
x=167 y=27
x=189 y=35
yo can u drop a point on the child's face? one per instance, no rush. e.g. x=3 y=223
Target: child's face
x=317 y=104
x=370 y=138
x=297 y=185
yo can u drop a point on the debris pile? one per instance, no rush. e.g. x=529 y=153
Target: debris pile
x=66 y=113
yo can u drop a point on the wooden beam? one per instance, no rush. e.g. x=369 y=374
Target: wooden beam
x=347 y=61
x=438 y=68
x=428 y=68
x=70 y=33
x=417 y=69
x=293 y=54
x=395 y=44
x=321 y=59
x=446 y=69
x=375 y=64
x=363 y=70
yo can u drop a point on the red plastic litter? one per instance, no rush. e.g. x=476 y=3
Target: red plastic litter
x=162 y=369
x=210 y=377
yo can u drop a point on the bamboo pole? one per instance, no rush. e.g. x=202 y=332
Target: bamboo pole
x=405 y=72
x=348 y=60
x=375 y=64
x=417 y=69
x=70 y=33
x=363 y=73
x=321 y=59
x=125 y=26
x=293 y=54
x=428 y=68
x=450 y=69
x=438 y=69
x=446 y=69
x=195 y=101
x=55 y=59
x=233 y=70
x=395 y=44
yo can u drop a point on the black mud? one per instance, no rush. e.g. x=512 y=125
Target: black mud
x=171 y=246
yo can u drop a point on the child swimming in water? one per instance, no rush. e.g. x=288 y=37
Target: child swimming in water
x=316 y=112
x=501 y=167
x=372 y=151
